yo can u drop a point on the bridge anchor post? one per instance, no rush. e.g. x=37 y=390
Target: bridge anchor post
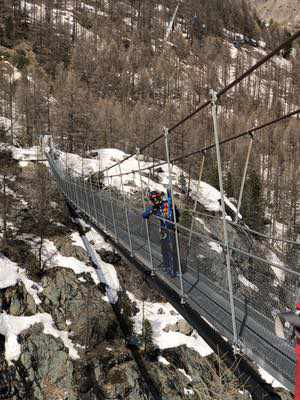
x=214 y=102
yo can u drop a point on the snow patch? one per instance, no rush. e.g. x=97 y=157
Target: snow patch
x=53 y=258
x=11 y=274
x=269 y=379
x=247 y=283
x=106 y=272
x=109 y=277
x=160 y=315
x=163 y=360
x=280 y=274
x=216 y=247
x=207 y=195
x=201 y=221
x=185 y=374
x=11 y=327
x=93 y=237
x=188 y=392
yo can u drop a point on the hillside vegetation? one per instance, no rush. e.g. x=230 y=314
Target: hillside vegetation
x=100 y=74
x=287 y=13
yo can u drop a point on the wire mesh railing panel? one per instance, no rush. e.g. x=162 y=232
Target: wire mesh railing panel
x=91 y=204
x=137 y=229
x=206 y=257
x=268 y=289
x=121 y=221
x=107 y=213
x=100 y=215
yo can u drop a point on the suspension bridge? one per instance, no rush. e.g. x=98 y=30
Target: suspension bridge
x=244 y=317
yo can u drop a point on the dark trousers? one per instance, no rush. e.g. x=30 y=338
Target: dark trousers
x=169 y=251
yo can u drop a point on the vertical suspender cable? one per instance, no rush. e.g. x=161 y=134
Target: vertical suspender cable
x=94 y=202
x=126 y=212
x=112 y=209
x=144 y=207
x=244 y=178
x=196 y=200
x=100 y=194
x=226 y=241
x=166 y=133
x=75 y=199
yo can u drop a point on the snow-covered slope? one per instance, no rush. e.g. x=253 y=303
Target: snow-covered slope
x=208 y=196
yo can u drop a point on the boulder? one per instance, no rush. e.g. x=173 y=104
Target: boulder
x=169 y=380
x=184 y=327
x=284 y=394
x=66 y=298
x=110 y=374
x=109 y=257
x=190 y=361
x=181 y=326
x=68 y=249
x=17 y=301
x=45 y=366
x=171 y=328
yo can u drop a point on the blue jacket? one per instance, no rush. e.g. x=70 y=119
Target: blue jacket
x=164 y=212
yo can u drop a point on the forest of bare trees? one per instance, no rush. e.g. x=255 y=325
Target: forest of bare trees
x=99 y=74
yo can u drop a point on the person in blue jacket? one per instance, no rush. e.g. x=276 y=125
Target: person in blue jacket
x=163 y=210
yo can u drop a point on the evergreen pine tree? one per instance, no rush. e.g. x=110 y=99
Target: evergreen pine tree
x=211 y=174
x=186 y=217
x=9 y=28
x=125 y=307
x=229 y=185
x=182 y=183
x=252 y=204
x=148 y=336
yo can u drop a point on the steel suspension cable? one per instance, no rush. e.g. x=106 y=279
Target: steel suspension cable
x=246 y=228
x=219 y=94
x=212 y=146
x=259 y=63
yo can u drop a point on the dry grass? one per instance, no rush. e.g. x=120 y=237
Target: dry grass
x=52 y=392
x=282 y=11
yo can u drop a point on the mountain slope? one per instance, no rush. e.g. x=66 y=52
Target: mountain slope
x=284 y=12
